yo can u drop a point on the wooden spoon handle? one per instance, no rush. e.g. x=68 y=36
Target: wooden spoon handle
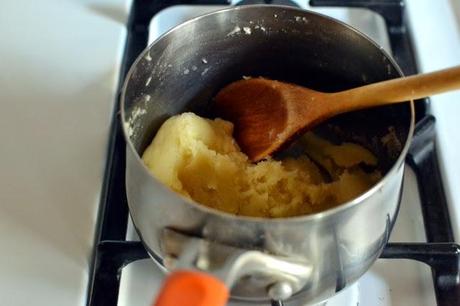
x=399 y=90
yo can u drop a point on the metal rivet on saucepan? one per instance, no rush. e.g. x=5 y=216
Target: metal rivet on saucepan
x=280 y=291
x=169 y=262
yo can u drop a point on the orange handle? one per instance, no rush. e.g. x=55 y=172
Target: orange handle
x=192 y=288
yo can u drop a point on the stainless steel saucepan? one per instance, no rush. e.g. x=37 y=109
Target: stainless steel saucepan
x=300 y=260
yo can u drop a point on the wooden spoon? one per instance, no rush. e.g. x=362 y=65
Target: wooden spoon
x=268 y=114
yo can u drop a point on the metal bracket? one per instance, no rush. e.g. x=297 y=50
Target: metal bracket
x=281 y=276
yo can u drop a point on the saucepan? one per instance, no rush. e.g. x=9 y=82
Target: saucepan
x=300 y=260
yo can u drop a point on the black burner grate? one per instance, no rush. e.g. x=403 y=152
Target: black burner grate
x=112 y=252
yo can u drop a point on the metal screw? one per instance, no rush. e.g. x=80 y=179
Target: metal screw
x=280 y=291
x=169 y=262
x=202 y=263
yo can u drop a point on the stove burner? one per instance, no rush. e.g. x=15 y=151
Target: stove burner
x=113 y=252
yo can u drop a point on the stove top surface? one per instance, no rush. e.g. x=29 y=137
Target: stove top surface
x=388 y=282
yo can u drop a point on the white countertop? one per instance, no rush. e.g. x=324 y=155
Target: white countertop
x=59 y=63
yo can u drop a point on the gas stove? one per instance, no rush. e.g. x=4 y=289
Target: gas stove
x=420 y=265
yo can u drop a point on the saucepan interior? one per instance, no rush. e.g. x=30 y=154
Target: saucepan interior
x=184 y=70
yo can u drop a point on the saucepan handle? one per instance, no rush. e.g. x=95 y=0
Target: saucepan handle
x=192 y=288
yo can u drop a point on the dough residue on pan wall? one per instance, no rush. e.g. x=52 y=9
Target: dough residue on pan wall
x=199 y=159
